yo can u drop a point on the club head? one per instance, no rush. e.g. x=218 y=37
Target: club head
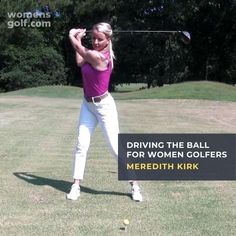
x=185 y=37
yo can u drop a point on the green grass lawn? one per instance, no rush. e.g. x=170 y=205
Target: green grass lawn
x=187 y=90
x=37 y=139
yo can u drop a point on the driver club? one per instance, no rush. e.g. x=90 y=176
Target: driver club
x=185 y=35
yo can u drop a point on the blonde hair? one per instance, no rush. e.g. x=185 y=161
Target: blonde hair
x=107 y=30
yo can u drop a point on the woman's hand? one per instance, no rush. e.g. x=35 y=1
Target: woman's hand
x=81 y=34
x=73 y=32
x=77 y=33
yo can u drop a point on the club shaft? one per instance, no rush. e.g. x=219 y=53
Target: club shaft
x=185 y=33
x=143 y=31
x=146 y=31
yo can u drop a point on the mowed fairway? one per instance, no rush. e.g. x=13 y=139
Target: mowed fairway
x=37 y=139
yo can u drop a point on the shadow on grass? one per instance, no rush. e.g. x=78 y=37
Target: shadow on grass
x=61 y=185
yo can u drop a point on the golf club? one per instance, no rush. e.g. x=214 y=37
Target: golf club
x=186 y=35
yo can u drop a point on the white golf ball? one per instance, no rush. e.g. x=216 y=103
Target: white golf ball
x=126 y=221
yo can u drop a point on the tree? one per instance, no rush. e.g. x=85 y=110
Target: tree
x=213 y=25
x=32 y=56
x=31 y=67
x=152 y=58
x=28 y=56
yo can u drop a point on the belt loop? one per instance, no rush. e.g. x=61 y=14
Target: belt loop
x=93 y=99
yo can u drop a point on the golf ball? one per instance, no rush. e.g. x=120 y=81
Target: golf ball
x=126 y=222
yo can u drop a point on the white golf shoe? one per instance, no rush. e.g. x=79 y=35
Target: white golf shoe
x=74 y=192
x=136 y=194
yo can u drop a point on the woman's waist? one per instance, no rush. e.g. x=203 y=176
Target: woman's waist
x=95 y=89
x=97 y=98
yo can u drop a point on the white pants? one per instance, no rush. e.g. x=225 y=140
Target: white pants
x=103 y=113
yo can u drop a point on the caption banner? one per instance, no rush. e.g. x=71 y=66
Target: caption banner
x=177 y=157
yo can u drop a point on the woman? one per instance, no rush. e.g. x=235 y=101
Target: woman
x=98 y=106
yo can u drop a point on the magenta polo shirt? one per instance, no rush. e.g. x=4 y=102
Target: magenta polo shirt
x=96 y=82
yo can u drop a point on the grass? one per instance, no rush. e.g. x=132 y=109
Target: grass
x=37 y=138
x=49 y=91
x=188 y=90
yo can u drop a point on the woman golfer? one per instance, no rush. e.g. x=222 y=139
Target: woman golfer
x=98 y=106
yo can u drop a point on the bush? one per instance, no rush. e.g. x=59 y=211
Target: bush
x=32 y=67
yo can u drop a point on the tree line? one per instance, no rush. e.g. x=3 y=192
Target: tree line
x=35 y=54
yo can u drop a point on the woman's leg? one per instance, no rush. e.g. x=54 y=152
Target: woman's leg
x=107 y=117
x=108 y=120
x=87 y=124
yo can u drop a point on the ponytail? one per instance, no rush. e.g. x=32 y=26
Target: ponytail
x=106 y=29
x=112 y=55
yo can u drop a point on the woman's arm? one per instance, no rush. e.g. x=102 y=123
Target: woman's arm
x=79 y=60
x=82 y=53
